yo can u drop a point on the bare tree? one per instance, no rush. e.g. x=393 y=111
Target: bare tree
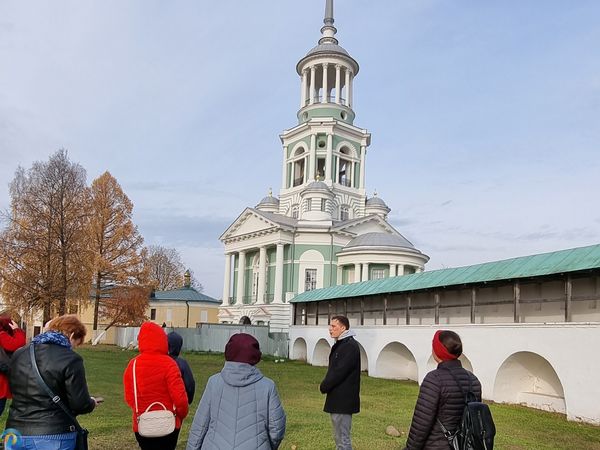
x=45 y=257
x=163 y=267
x=115 y=240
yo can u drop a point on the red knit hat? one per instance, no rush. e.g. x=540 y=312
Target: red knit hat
x=243 y=348
x=440 y=349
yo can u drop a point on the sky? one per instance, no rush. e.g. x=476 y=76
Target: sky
x=485 y=116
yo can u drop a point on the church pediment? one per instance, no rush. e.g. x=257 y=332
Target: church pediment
x=368 y=224
x=249 y=224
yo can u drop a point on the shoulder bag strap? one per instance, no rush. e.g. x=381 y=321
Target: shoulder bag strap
x=55 y=398
x=135 y=387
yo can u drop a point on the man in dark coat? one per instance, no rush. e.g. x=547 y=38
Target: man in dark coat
x=342 y=381
x=175 y=344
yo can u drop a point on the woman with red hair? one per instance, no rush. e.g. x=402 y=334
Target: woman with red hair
x=11 y=339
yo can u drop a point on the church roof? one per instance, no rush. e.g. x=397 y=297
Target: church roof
x=183 y=294
x=379 y=239
x=277 y=218
x=317 y=186
x=327 y=48
x=559 y=262
x=376 y=201
x=269 y=200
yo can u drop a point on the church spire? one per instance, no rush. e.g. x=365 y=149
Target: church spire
x=328 y=30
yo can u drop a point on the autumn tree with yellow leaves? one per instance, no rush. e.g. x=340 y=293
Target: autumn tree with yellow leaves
x=44 y=247
x=115 y=243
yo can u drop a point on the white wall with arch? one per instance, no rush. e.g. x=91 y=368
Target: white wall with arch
x=545 y=366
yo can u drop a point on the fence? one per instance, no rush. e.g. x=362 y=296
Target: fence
x=211 y=337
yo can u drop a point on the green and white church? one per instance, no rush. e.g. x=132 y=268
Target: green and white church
x=322 y=230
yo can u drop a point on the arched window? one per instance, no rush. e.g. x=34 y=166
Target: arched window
x=299 y=167
x=347 y=161
x=344 y=212
x=295 y=211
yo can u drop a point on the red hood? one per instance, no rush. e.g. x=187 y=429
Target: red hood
x=152 y=338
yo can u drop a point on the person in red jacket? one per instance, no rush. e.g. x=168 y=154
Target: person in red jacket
x=158 y=379
x=11 y=339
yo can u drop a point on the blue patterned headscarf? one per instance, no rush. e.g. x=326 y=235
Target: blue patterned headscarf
x=52 y=337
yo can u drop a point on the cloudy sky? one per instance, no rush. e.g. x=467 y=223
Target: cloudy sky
x=485 y=116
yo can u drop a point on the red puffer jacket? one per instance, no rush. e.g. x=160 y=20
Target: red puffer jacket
x=158 y=377
x=9 y=344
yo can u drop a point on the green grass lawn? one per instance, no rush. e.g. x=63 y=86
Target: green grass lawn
x=384 y=402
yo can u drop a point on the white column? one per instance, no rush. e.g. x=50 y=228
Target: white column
x=329 y=158
x=338 y=95
x=356 y=272
x=400 y=269
x=352 y=171
x=340 y=274
x=278 y=298
x=324 y=99
x=311 y=93
x=313 y=157
x=392 y=270
x=363 y=154
x=418 y=269
x=227 y=279
x=350 y=99
x=239 y=297
x=304 y=87
x=262 y=272
x=347 y=101
x=284 y=183
x=365 y=274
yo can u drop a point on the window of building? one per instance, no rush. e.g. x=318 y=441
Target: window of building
x=153 y=314
x=295 y=211
x=344 y=212
x=73 y=309
x=377 y=274
x=204 y=316
x=323 y=204
x=299 y=166
x=320 y=175
x=169 y=315
x=310 y=279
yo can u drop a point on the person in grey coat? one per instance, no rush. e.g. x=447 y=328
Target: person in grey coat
x=240 y=408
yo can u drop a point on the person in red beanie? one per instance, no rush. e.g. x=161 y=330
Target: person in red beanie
x=240 y=408
x=157 y=379
x=441 y=399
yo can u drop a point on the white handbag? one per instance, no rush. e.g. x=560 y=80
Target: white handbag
x=157 y=423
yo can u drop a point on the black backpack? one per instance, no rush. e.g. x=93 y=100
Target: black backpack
x=476 y=429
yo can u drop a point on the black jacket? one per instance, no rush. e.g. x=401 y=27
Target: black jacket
x=175 y=344
x=32 y=411
x=440 y=398
x=342 y=382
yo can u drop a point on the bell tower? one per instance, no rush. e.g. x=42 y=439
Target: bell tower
x=325 y=145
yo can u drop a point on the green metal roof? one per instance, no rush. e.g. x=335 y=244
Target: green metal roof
x=183 y=294
x=563 y=261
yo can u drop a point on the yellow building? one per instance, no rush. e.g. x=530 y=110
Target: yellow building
x=183 y=307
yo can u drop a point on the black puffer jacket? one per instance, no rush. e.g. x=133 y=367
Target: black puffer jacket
x=32 y=411
x=440 y=398
x=342 y=382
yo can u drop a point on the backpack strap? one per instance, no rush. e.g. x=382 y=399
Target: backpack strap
x=447 y=433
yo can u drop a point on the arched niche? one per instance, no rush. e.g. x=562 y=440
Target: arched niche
x=321 y=353
x=529 y=379
x=397 y=362
x=466 y=363
x=299 y=351
x=245 y=320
